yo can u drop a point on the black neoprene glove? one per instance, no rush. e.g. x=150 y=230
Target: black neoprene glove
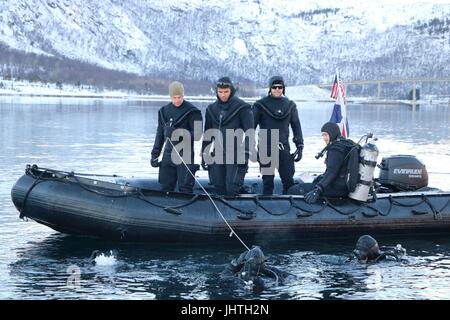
x=154 y=162
x=297 y=155
x=312 y=196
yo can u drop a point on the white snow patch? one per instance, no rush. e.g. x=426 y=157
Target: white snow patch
x=240 y=47
x=223 y=55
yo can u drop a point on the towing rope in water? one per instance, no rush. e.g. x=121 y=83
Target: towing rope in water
x=209 y=196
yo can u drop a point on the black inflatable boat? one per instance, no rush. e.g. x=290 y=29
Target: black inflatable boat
x=135 y=210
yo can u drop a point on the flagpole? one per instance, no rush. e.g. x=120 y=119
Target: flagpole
x=344 y=103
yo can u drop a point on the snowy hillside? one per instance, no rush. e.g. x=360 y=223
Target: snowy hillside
x=204 y=39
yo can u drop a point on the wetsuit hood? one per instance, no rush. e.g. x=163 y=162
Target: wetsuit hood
x=332 y=129
x=367 y=248
x=276 y=80
x=225 y=82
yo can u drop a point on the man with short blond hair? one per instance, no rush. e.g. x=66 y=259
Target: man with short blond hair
x=179 y=114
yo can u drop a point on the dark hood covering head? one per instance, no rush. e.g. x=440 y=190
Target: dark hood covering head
x=252 y=262
x=225 y=82
x=332 y=129
x=277 y=80
x=367 y=248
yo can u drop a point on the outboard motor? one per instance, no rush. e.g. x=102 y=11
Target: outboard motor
x=403 y=173
x=367 y=162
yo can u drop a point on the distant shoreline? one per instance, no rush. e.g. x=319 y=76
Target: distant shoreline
x=135 y=97
x=308 y=93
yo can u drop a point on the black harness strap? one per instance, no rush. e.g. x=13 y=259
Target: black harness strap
x=367 y=162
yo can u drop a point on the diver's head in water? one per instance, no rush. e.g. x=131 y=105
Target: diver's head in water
x=367 y=249
x=254 y=259
x=251 y=270
x=252 y=262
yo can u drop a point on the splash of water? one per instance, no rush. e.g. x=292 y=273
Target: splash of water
x=105 y=260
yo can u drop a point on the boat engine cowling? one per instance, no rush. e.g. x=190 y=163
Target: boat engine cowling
x=403 y=173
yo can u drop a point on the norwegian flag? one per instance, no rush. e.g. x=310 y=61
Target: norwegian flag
x=339 y=114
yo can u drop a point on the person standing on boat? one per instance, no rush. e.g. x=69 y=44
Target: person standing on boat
x=179 y=114
x=276 y=112
x=332 y=183
x=226 y=151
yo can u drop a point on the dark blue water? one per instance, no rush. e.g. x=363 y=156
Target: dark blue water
x=109 y=137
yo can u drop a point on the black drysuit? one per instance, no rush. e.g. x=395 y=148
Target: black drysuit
x=228 y=176
x=333 y=180
x=169 y=119
x=278 y=113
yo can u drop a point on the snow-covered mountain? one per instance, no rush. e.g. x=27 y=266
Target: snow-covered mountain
x=247 y=39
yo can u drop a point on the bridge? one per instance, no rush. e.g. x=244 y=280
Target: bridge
x=413 y=81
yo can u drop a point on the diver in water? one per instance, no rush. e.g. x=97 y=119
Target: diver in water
x=250 y=269
x=368 y=251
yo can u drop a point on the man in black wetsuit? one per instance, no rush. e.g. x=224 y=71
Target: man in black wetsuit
x=226 y=150
x=333 y=182
x=179 y=114
x=276 y=112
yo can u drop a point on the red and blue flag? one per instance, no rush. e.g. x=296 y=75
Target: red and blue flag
x=339 y=114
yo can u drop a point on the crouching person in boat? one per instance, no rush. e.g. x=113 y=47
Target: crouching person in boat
x=226 y=139
x=332 y=183
x=179 y=114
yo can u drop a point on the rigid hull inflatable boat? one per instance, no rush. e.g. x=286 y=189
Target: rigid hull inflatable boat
x=135 y=210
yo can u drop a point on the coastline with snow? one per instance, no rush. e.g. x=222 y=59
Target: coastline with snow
x=307 y=93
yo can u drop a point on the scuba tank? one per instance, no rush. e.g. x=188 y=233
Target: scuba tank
x=368 y=155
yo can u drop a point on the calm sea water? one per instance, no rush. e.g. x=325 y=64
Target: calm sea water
x=115 y=137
